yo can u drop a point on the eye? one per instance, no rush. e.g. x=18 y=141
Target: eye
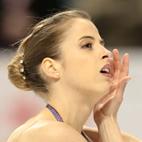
x=88 y=45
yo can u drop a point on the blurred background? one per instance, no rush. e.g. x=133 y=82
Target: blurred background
x=120 y=25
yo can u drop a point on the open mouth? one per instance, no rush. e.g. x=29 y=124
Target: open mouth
x=106 y=70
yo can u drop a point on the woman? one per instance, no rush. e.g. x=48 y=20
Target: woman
x=64 y=61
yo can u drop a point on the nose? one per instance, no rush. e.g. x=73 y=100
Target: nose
x=107 y=54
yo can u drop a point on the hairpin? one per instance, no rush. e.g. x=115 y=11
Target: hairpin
x=24 y=77
x=22 y=54
x=21 y=61
x=22 y=70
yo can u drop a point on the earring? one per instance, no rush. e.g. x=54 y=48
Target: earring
x=57 y=73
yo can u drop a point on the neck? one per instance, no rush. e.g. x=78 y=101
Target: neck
x=73 y=108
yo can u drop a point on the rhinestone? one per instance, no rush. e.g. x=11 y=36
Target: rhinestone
x=21 y=70
x=24 y=77
x=21 y=61
x=22 y=54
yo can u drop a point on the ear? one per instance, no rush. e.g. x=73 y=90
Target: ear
x=50 y=68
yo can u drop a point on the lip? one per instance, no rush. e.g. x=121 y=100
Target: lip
x=108 y=66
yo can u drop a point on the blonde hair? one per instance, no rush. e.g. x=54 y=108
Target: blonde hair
x=43 y=41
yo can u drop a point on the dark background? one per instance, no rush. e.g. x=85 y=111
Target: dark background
x=119 y=21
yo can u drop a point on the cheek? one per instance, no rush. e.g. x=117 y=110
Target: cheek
x=80 y=72
x=78 y=66
x=83 y=75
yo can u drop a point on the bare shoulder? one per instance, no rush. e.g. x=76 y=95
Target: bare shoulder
x=51 y=131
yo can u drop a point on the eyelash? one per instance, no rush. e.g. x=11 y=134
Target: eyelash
x=86 y=45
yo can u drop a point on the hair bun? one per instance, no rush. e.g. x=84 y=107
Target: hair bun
x=16 y=73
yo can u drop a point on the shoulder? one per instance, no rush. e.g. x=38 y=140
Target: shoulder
x=51 y=131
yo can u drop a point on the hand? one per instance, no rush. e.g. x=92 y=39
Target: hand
x=109 y=104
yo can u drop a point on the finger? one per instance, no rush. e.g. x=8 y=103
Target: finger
x=112 y=82
x=101 y=102
x=112 y=67
x=125 y=66
x=117 y=64
x=113 y=104
x=113 y=86
x=121 y=87
x=104 y=99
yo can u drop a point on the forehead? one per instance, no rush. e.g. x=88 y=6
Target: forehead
x=82 y=27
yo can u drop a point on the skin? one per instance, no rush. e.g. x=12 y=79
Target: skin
x=84 y=55
x=80 y=87
x=80 y=83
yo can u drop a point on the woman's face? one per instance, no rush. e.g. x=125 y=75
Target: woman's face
x=84 y=56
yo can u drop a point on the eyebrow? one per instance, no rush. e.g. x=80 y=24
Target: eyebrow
x=101 y=41
x=87 y=37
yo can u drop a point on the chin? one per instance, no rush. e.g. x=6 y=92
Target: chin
x=107 y=90
x=104 y=91
x=106 y=87
x=102 y=94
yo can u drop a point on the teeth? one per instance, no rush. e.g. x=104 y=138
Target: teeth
x=106 y=70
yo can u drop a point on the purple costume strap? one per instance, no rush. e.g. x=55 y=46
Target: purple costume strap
x=55 y=113
x=58 y=118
